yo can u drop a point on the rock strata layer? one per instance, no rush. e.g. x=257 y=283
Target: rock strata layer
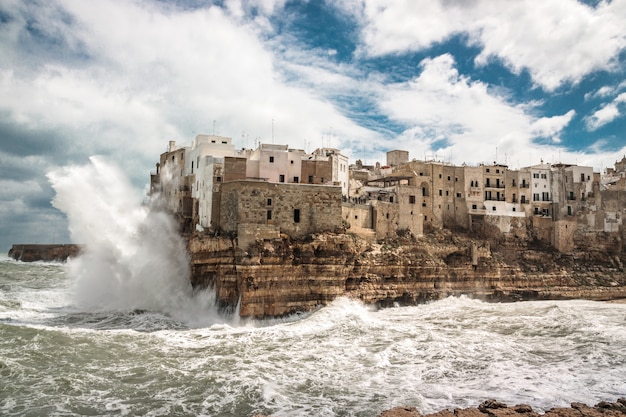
x=282 y=277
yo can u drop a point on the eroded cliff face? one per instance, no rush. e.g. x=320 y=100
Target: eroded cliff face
x=282 y=277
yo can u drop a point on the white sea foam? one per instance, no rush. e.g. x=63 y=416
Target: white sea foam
x=134 y=257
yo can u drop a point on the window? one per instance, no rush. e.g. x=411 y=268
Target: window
x=291 y=162
x=391 y=199
x=411 y=199
x=493 y=208
x=487 y=183
x=269 y=201
x=535 y=196
x=281 y=178
x=192 y=167
x=513 y=183
x=296 y=215
x=296 y=179
x=424 y=192
x=497 y=171
x=310 y=179
x=448 y=178
x=271 y=159
x=487 y=169
x=269 y=214
x=544 y=176
x=474 y=206
x=458 y=195
x=218 y=179
x=535 y=175
x=439 y=176
x=447 y=193
x=440 y=192
x=569 y=210
x=536 y=210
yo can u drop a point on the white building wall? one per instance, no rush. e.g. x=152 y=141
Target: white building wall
x=540 y=177
x=583 y=175
x=269 y=162
x=294 y=166
x=203 y=189
x=207 y=145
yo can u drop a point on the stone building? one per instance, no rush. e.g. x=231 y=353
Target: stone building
x=255 y=209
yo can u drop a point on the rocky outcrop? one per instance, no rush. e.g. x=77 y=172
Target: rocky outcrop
x=280 y=277
x=48 y=253
x=493 y=408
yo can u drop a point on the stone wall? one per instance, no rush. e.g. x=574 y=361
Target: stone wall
x=298 y=209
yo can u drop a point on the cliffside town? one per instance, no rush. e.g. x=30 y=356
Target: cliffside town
x=278 y=230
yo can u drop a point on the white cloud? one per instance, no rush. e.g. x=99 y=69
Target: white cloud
x=606 y=113
x=557 y=41
x=463 y=120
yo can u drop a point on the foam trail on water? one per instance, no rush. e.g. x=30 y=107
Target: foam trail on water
x=134 y=256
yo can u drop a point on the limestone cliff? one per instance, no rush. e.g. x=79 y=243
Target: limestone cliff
x=279 y=277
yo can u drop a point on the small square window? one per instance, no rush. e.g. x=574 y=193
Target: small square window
x=271 y=159
x=269 y=201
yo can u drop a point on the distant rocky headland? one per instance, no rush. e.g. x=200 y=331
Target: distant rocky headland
x=40 y=252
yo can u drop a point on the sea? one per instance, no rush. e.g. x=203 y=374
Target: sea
x=118 y=331
x=58 y=358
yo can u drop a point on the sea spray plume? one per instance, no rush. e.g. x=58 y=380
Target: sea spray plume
x=134 y=257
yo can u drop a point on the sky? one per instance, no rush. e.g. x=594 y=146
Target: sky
x=461 y=81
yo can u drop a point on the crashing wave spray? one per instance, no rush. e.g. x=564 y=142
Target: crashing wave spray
x=134 y=257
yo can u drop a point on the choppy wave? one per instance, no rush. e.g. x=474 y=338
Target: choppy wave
x=346 y=359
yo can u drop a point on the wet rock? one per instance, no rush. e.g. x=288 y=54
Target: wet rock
x=401 y=412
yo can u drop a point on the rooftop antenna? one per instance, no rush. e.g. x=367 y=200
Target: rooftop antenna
x=213 y=127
